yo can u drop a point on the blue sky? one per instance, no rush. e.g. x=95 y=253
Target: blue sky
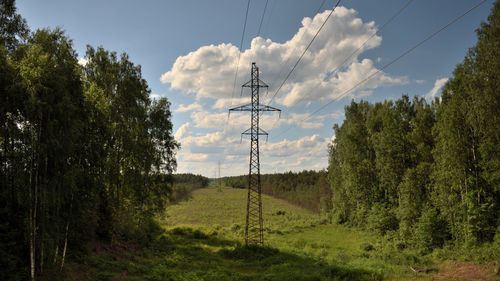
x=188 y=52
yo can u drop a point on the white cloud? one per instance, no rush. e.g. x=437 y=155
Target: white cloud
x=196 y=157
x=193 y=106
x=83 y=61
x=240 y=121
x=437 y=86
x=308 y=146
x=419 y=81
x=155 y=96
x=207 y=71
x=365 y=93
x=228 y=102
x=182 y=132
x=309 y=152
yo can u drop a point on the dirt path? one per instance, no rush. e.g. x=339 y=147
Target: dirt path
x=455 y=270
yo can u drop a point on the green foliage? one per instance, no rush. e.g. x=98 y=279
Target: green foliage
x=426 y=175
x=84 y=152
x=467 y=141
x=184 y=184
x=308 y=189
x=430 y=230
x=382 y=219
x=12 y=25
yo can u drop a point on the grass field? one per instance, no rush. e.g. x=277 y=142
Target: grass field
x=203 y=236
x=293 y=230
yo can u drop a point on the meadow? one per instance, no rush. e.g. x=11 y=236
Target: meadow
x=293 y=230
x=201 y=238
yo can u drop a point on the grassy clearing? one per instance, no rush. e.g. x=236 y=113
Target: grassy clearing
x=186 y=254
x=292 y=230
x=210 y=209
x=203 y=236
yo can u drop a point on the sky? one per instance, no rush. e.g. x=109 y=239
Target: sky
x=189 y=50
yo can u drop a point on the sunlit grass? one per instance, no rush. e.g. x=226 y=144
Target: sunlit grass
x=291 y=229
x=202 y=239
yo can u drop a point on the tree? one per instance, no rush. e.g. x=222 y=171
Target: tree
x=467 y=154
x=355 y=177
x=12 y=25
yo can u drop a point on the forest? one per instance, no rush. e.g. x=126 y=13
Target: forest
x=184 y=184
x=426 y=174
x=308 y=189
x=85 y=153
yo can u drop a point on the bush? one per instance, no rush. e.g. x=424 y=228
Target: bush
x=198 y=234
x=280 y=213
x=235 y=227
x=250 y=252
x=182 y=231
x=431 y=230
x=382 y=219
x=367 y=247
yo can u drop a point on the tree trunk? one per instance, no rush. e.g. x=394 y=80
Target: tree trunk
x=66 y=234
x=65 y=246
x=55 y=254
x=41 y=254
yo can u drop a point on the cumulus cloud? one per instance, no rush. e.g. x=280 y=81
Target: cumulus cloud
x=207 y=71
x=308 y=146
x=237 y=121
x=437 y=86
x=228 y=102
x=190 y=107
x=83 y=61
x=196 y=157
x=183 y=131
x=306 y=152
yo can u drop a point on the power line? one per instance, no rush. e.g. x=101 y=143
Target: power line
x=320 y=6
x=303 y=53
x=239 y=54
x=269 y=17
x=295 y=48
x=362 y=45
x=260 y=25
x=387 y=65
x=262 y=18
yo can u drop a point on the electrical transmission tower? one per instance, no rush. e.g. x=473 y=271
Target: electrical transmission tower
x=219 y=187
x=254 y=227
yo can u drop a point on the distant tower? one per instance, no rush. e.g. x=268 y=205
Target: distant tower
x=254 y=227
x=220 y=187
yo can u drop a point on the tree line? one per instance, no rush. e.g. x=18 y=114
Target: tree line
x=84 y=151
x=308 y=189
x=184 y=184
x=426 y=173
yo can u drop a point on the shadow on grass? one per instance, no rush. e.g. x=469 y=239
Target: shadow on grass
x=187 y=254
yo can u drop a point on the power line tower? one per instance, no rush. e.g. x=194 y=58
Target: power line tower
x=220 y=181
x=254 y=226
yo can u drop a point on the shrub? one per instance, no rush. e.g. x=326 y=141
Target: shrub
x=250 y=252
x=431 y=230
x=367 y=247
x=382 y=219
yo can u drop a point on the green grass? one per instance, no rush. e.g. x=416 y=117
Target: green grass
x=203 y=241
x=210 y=209
x=187 y=254
x=293 y=230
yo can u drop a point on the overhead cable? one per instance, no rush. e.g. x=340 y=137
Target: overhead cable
x=386 y=65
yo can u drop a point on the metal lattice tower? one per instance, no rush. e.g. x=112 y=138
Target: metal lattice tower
x=254 y=226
